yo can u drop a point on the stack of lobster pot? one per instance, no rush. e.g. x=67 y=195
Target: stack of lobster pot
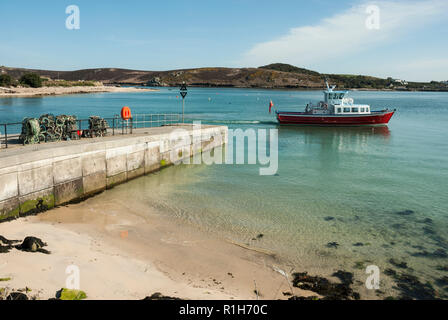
x=97 y=127
x=31 y=131
x=69 y=126
x=58 y=128
x=48 y=127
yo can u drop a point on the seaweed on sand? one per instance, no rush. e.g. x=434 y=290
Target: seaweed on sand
x=33 y=244
x=402 y=265
x=159 y=296
x=412 y=288
x=333 y=245
x=405 y=212
x=325 y=288
x=8 y=244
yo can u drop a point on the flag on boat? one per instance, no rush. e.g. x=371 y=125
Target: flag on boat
x=271 y=104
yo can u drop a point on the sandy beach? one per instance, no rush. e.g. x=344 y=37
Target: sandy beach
x=51 y=91
x=124 y=253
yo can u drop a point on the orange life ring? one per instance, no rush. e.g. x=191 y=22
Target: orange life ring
x=126 y=113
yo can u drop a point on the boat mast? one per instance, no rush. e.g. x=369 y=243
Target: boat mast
x=326 y=83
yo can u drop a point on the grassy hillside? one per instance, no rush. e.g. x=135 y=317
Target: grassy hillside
x=278 y=75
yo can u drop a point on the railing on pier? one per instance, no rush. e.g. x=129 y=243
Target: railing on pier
x=10 y=132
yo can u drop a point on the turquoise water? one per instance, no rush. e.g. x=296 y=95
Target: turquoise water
x=344 y=185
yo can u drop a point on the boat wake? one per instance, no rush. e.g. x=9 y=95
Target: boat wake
x=248 y=122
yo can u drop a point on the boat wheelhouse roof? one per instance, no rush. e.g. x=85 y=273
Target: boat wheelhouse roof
x=339 y=91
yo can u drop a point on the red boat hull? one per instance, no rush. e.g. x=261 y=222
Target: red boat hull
x=301 y=118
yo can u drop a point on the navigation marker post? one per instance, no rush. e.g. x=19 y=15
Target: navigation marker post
x=183 y=93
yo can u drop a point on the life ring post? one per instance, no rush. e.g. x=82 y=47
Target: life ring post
x=126 y=115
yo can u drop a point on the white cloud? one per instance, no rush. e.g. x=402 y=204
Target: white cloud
x=346 y=34
x=422 y=69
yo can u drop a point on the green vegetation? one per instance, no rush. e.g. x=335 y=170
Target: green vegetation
x=67 y=294
x=358 y=81
x=6 y=80
x=429 y=86
x=32 y=80
x=5 y=279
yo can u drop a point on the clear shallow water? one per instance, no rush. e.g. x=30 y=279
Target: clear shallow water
x=360 y=177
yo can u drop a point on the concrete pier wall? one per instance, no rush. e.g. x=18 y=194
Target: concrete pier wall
x=38 y=178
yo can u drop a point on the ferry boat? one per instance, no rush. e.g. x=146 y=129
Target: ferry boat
x=335 y=110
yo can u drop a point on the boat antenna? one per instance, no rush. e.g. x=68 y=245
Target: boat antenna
x=326 y=83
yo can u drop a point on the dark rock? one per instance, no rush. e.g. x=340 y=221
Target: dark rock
x=333 y=245
x=358 y=244
x=405 y=213
x=260 y=236
x=17 y=296
x=33 y=244
x=402 y=265
x=159 y=296
x=329 y=218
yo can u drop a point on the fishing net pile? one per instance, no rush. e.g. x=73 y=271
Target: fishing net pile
x=31 y=131
x=49 y=128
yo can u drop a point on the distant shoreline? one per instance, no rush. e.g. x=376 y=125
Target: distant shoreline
x=296 y=89
x=53 y=91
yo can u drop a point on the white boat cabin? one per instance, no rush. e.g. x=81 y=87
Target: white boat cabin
x=336 y=103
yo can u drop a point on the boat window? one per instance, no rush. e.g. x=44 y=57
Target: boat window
x=355 y=110
x=341 y=96
x=346 y=109
x=363 y=109
x=339 y=110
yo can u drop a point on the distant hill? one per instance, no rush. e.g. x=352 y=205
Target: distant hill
x=278 y=76
x=289 y=68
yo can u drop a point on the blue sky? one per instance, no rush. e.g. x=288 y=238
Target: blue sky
x=326 y=36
